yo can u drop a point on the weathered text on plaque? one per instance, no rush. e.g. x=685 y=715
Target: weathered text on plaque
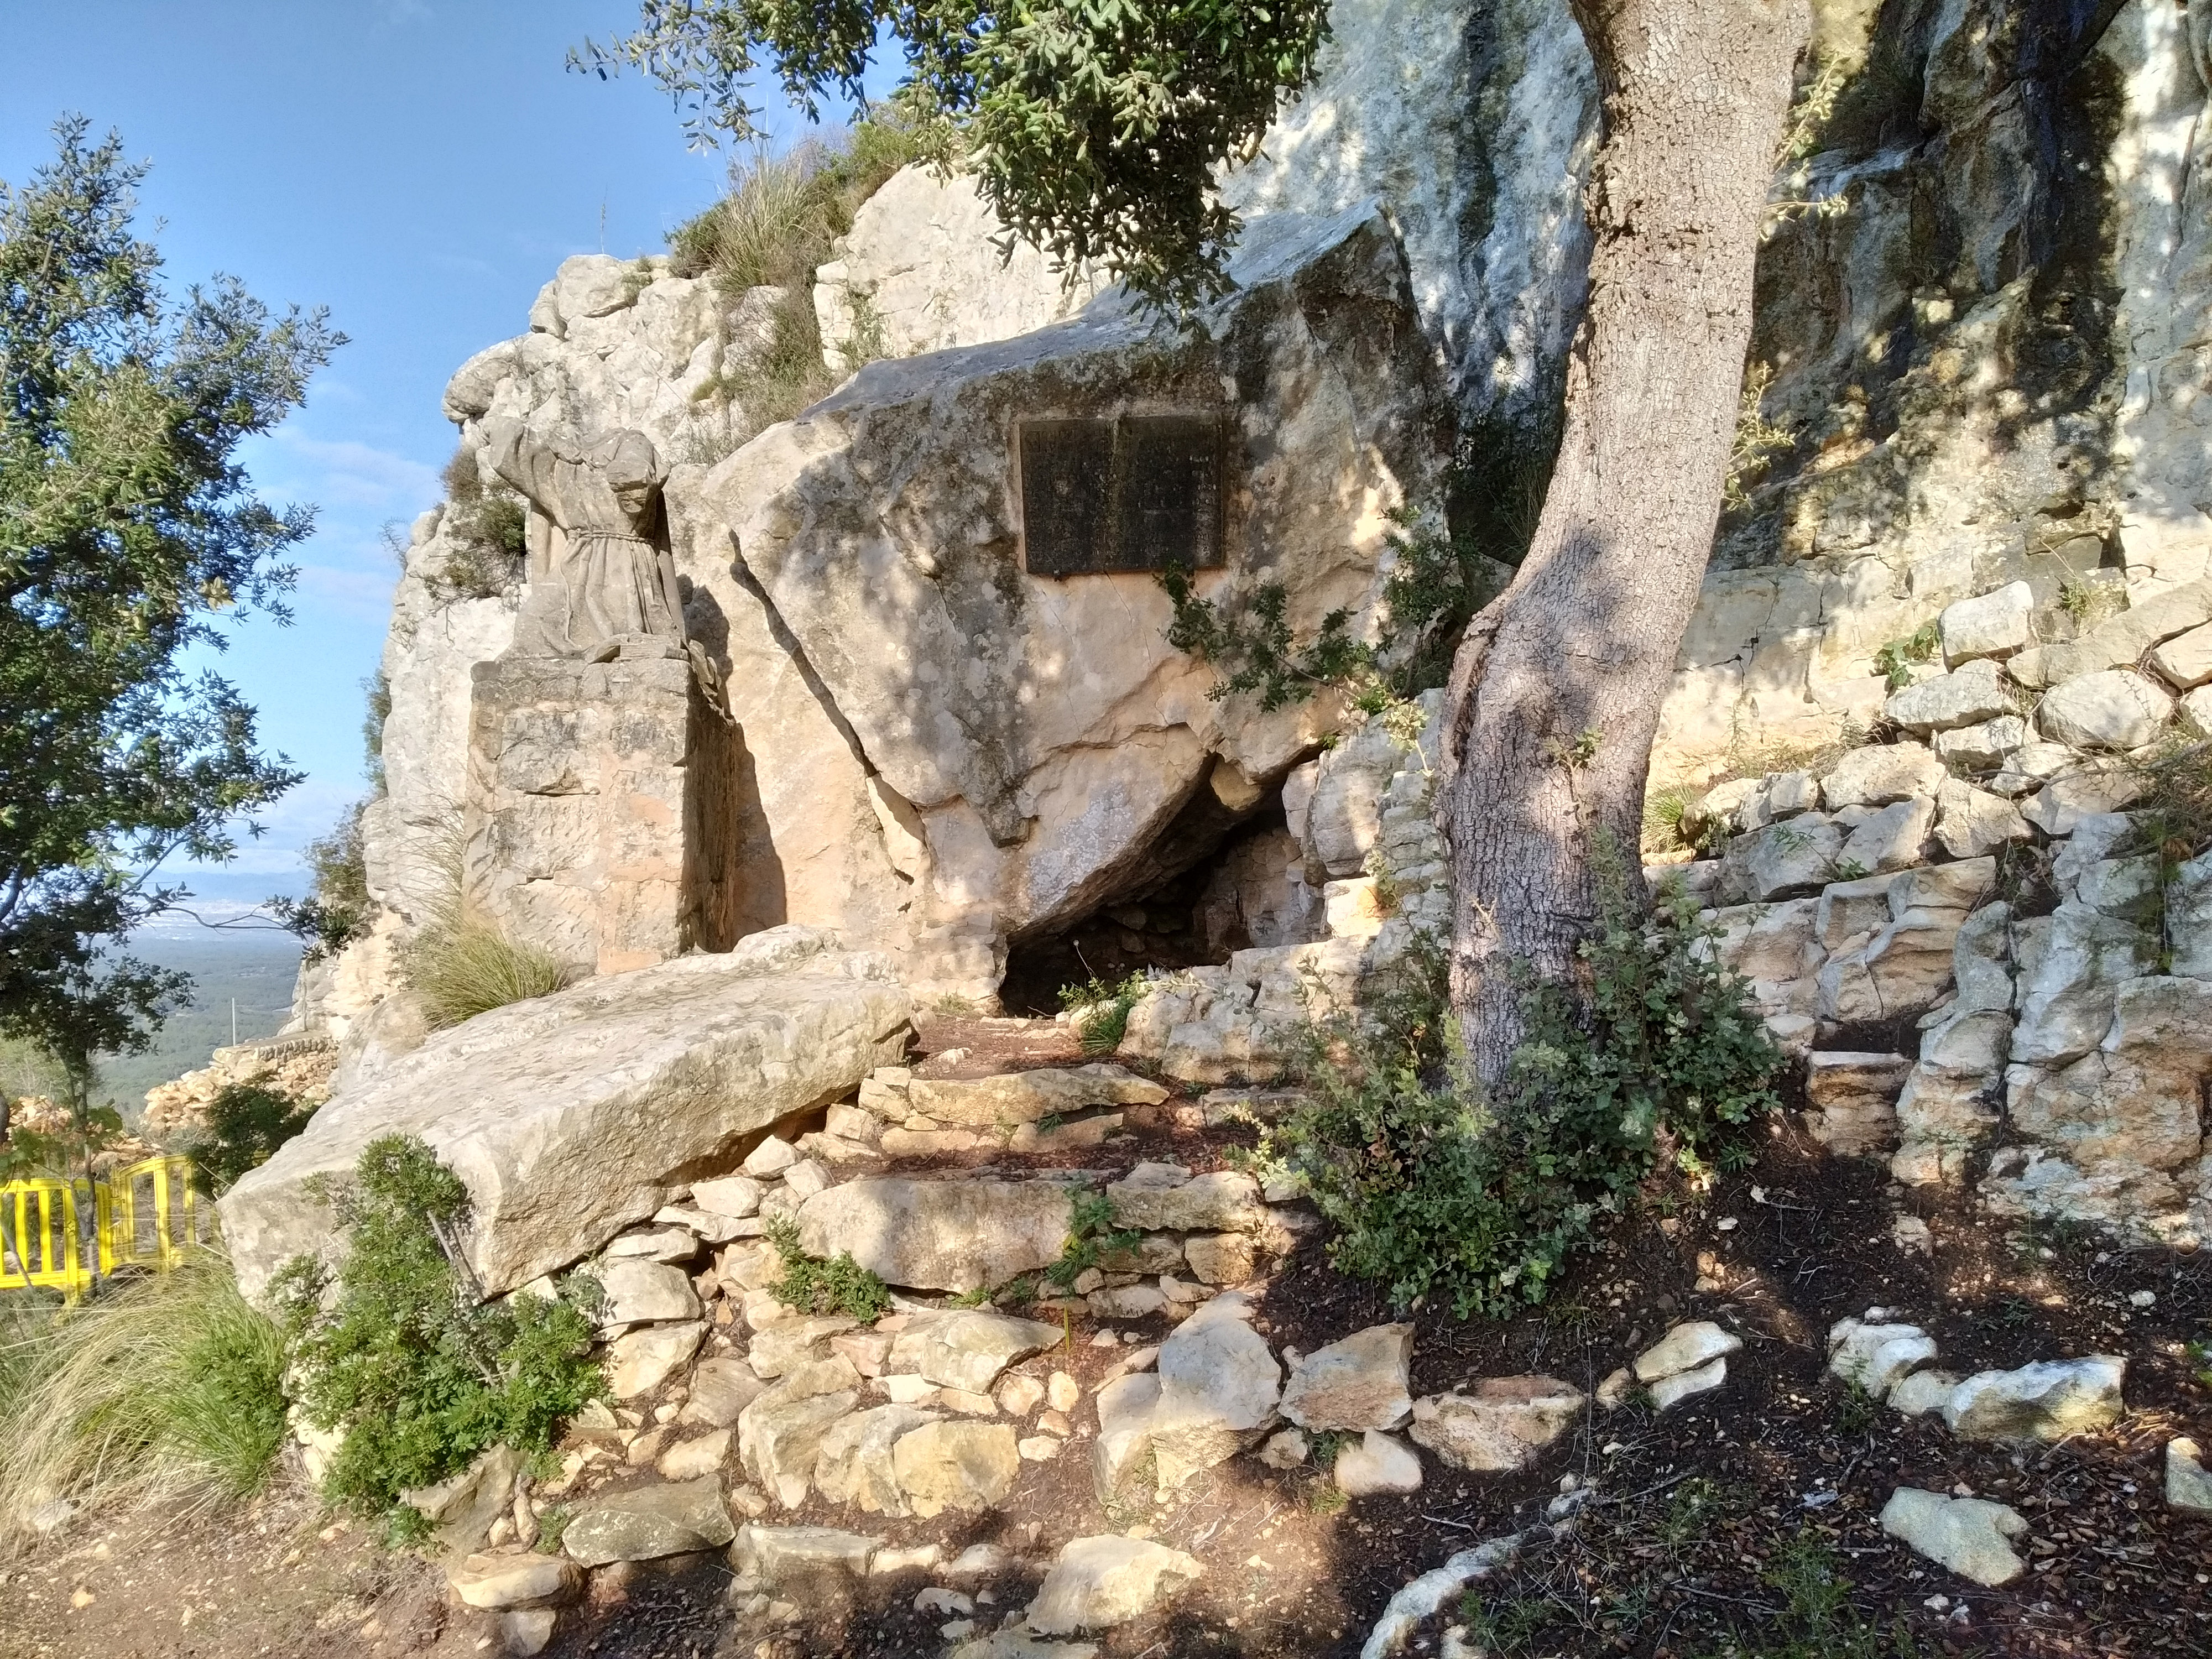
x=1140 y=493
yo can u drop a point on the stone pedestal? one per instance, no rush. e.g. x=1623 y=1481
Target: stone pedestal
x=592 y=813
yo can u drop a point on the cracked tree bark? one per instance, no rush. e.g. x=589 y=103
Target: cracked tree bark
x=1555 y=693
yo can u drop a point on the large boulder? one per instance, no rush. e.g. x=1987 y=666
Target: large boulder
x=1032 y=733
x=572 y=1116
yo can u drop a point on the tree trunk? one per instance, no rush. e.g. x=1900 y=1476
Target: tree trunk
x=1555 y=693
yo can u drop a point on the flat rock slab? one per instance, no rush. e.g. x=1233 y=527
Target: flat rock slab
x=1379 y=1463
x=939 y=1234
x=1225 y=1201
x=1502 y=1423
x=646 y=1523
x=1685 y=1348
x=569 y=1117
x=957 y=1466
x=1877 y=1356
x=1017 y=1097
x=1363 y=1381
x=496 y=1582
x=1219 y=1388
x=1020 y=1645
x=1099 y=1582
x=967 y=1350
x=1969 y=1535
x=774 y=1555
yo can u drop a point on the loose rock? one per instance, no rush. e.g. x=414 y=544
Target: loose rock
x=1099 y=1582
x=1501 y=1424
x=2046 y=1400
x=1379 y=1463
x=1966 y=1534
x=957 y=1466
x=646 y=1523
x=1362 y=1382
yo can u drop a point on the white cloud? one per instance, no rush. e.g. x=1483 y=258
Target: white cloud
x=363 y=594
x=347 y=472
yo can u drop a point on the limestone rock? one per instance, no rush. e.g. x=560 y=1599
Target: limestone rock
x=1670 y=1391
x=1966 y=1534
x=1019 y=1644
x=1966 y=695
x=1122 y=1453
x=1361 y=1382
x=939 y=1234
x=1983 y=747
x=1788 y=859
x=644 y=1523
x=1285 y=1448
x=1971 y=822
x=688 y=1459
x=1015 y=1097
x=638 y=1292
x=720 y=1389
x=785 y=1347
x=956 y=1466
x=1894 y=837
x=1877 y=1356
x=768 y=1160
x=733 y=1196
x=1224 y=1200
x=1218 y=1386
x=1852 y=1099
x=1099 y=1582
x=1922 y=1392
x=780 y=1434
x=462 y=1508
x=853 y=1466
x=2189 y=917
x=1220 y=1258
x=2046 y=1400
x=1379 y=1463
x=779 y=1555
x=559 y=1155
x=497 y=1582
x=1993 y=625
x=1685 y=1347
x=1502 y=1424
x=2114 y=709
x=2059 y=807
x=2188 y=1487
x=2071 y=966
x=2119 y=642
x=638 y=1362
x=2185 y=660
x=1880 y=774
x=967 y=1349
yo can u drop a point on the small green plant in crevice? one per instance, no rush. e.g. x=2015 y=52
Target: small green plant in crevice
x=1857 y=1410
x=1435 y=1188
x=1895 y=661
x=1757 y=440
x=1104 y=1020
x=1092 y=1237
x=812 y=1285
x=2089 y=603
x=486 y=529
x=2172 y=813
x=337 y=907
x=461 y=962
x=245 y=1123
x=398 y=1353
x=550 y=1526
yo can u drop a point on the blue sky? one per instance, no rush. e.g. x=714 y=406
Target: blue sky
x=419 y=167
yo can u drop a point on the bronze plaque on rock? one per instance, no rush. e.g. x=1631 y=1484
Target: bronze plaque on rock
x=1140 y=493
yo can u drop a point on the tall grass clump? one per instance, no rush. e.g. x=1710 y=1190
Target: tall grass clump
x=775 y=227
x=163 y=1388
x=1435 y=1187
x=461 y=962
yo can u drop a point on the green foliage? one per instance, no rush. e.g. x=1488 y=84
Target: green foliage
x=2089 y=603
x=460 y=964
x=337 y=907
x=1856 y=1411
x=486 y=531
x=246 y=1122
x=378 y=693
x=1757 y=440
x=1894 y=660
x=1092 y=1238
x=165 y=1387
x=813 y=1285
x=128 y=532
x=1095 y=129
x=418 y=1374
x=1106 y=1018
x=1433 y=1189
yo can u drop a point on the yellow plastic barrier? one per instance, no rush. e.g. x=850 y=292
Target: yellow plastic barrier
x=144 y=1215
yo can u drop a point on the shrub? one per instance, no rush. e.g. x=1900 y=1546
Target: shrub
x=486 y=529
x=1434 y=1187
x=1103 y=1018
x=1091 y=1238
x=246 y=1122
x=813 y=1286
x=418 y=1374
x=337 y=907
x=162 y=1388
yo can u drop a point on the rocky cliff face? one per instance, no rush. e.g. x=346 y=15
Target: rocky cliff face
x=1977 y=347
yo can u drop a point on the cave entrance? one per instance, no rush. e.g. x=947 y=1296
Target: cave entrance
x=1219 y=879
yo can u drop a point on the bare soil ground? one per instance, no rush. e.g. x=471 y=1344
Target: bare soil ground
x=1701 y=1520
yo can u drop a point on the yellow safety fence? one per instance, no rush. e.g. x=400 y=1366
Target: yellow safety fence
x=144 y=1215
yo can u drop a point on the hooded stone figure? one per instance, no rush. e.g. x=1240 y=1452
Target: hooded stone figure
x=609 y=582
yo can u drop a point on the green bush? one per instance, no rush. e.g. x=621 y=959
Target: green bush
x=1091 y=1239
x=487 y=531
x=1106 y=1017
x=246 y=1122
x=813 y=1286
x=417 y=1374
x=460 y=965
x=1434 y=1187
x=161 y=1387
